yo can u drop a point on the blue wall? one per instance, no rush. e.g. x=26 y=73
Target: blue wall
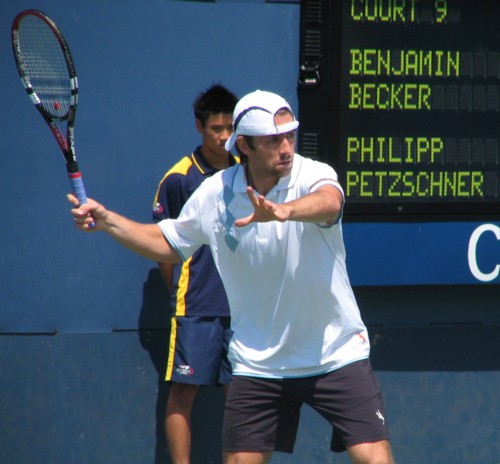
x=83 y=322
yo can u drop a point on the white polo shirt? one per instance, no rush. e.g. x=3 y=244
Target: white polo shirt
x=293 y=311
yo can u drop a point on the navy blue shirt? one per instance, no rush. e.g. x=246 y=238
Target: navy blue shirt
x=197 y=287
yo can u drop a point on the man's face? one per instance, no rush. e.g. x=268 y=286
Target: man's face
x=218 y=128
x=272 y=155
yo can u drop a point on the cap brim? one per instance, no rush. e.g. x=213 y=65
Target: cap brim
x=230 y=142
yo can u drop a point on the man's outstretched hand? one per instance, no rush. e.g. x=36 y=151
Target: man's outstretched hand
x=264 y=210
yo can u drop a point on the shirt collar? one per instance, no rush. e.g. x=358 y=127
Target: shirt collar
x=204 y=166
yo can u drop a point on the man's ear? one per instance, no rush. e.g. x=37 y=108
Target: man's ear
x=199 y=126
x=242 y=143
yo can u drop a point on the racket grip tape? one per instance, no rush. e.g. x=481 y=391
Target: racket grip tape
x=78 y=188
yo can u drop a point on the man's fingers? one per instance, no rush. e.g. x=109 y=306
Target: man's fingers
x=252 y=197
x=243 y=221
x=72 y=199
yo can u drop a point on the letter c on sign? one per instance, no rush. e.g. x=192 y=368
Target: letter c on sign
x=474 y=239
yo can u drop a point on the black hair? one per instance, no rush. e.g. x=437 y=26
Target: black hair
x=215 y=100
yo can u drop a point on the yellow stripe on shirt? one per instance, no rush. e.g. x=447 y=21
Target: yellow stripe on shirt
x=180 y=308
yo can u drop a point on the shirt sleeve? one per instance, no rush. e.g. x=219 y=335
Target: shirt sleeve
x=186 y=233
x=321 y=174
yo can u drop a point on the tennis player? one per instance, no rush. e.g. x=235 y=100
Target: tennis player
x=273 y=224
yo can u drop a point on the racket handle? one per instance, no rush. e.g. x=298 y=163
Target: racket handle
x=78 y=188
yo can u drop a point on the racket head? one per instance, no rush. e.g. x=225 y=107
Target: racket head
x=45 y=65
x=48 y=74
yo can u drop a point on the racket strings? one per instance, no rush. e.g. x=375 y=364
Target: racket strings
x=45 y=66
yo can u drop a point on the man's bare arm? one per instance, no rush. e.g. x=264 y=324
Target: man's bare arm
x=144 y=239
x=166 y=272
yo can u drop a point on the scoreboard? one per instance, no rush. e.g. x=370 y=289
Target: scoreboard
x=402 y=98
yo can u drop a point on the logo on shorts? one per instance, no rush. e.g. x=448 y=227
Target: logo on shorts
x=184 y=370
x=380 y=416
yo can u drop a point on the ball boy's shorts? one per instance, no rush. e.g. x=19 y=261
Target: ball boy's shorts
x=198 y=351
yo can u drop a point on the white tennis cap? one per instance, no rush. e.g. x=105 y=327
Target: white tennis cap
x=254 y=115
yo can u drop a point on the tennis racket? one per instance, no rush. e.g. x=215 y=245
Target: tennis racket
x=49 y=77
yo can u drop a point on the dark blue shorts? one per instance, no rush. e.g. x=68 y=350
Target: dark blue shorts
x=263 y=414
x=197 y=351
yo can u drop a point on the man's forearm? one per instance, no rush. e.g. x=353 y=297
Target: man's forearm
x=144 y=239
x=323 y=205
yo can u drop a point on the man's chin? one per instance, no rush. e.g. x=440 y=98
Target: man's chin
x=284 y=169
